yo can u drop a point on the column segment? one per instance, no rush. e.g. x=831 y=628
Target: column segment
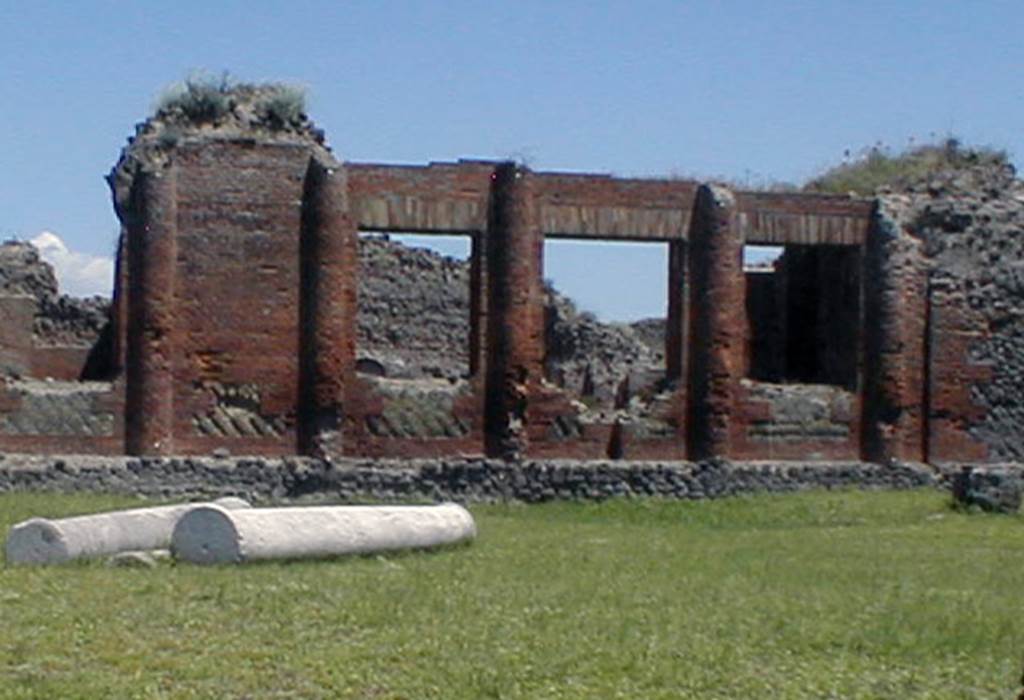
x=478 y=297
x=675 y=329
x=717 y=322
x=329 y=253
x=515 y=319
x=149 y=372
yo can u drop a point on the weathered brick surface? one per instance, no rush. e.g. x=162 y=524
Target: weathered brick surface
x=796 y=421
x=399 y=418
x=60 y=409
x=894 y=364
x=678 y=308
x=602 y=207
x=61 y=363
x=953 y=329
x=970 y=227
x=235 y=317
x=62 y=417
x=771 y=218
x=441 y=197
x=239 y=240
x=153 y=314
x=453 y=197
x=329 y=259
x=717 y=323
x=515 y=249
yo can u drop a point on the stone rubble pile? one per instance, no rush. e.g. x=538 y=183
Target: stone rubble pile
x=59 y=319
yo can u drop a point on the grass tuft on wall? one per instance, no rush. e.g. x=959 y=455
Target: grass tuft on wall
x=202 y=99
x=878 y=168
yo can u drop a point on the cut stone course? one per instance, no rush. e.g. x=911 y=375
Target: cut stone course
x=464 y=480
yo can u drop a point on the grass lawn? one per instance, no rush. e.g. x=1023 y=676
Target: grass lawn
x=821 y=595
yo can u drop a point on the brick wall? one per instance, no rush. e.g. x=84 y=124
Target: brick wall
x=235 y=313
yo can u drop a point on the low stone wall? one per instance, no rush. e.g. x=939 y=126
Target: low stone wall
x=267 y=480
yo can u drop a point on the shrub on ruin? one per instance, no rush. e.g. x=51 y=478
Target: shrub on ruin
x=200 y=98
x=283 y=105
x=878 y=168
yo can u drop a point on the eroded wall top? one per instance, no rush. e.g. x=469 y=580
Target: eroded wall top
x=198 y=113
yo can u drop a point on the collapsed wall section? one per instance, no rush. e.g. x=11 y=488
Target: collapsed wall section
x=49 y=343
x=969 y=227
x=47 y=334
x=891 y=334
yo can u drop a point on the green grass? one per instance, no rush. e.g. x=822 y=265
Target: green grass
x=824 y=595
x=880 y=168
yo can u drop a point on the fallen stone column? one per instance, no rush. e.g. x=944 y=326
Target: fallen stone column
x=43 y=541
x=215 y=535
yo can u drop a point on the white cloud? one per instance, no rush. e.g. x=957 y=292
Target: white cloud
x=79 y=274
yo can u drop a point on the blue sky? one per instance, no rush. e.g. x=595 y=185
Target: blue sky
x=752 y=91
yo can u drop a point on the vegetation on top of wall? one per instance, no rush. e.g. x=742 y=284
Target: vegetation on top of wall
x=200 y=98
x=878 y=168
x=203 y=99
x=283 y=105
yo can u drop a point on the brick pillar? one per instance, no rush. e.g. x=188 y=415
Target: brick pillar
x=675 y=333
x=953 y=327
x=329 y=253
x=119 y=304
x=477 y=304
x=896 y=292
x=675 y=329
x=515 y=318
x=149 y=356
x=717 y=322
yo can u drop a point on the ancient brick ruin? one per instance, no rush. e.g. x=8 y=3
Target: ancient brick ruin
x=890 y=329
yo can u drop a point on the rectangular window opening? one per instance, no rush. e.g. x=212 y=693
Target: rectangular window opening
x=803 y=305
x=414 y=318
x=605 y=311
